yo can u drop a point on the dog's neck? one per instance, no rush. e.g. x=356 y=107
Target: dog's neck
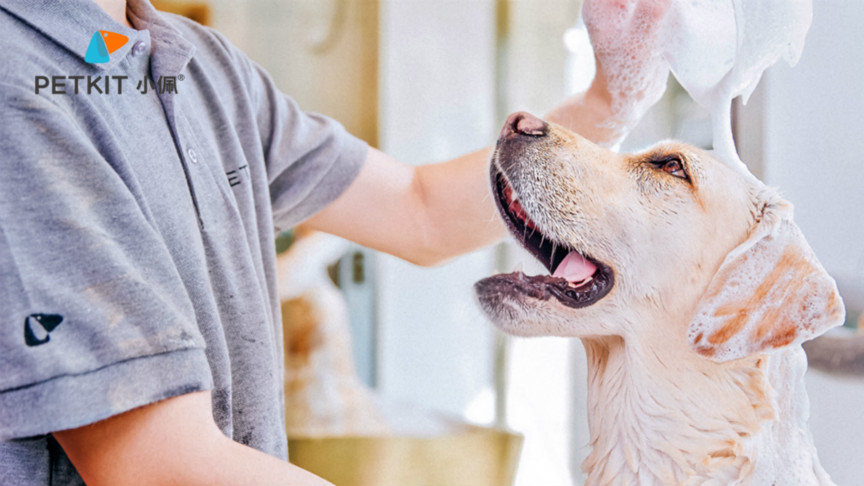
x=656 y=418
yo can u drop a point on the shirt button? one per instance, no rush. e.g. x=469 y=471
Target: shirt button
x=193 y=155
x=139 y=48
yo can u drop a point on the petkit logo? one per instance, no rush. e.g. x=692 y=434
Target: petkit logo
x=102 y=44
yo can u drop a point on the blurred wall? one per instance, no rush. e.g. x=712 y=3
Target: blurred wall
x=814 y=121
x=322 y=53
x=813 y=125
x=814 y=140
x=436 y=102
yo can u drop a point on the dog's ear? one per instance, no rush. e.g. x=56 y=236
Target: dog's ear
x=770 y=292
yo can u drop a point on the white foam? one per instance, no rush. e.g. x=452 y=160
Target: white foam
x=717 y=50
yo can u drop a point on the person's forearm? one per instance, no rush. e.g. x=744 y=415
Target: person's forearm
x=221 y=462
x=425 y=215
x=233 y=463
x=458 y=203
x=174 y=441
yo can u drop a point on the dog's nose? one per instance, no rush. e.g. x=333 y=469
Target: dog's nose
x=522 y=123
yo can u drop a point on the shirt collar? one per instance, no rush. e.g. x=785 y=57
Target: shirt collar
x=171 y=51
x=72 y=23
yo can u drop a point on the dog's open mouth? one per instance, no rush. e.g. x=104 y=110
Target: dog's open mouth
x=577 y=280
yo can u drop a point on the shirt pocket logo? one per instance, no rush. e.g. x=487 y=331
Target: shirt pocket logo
x=38 y=327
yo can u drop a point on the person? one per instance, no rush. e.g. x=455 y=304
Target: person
x=140 y=339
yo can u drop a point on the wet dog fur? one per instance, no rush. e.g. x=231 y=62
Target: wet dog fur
x=704 y=291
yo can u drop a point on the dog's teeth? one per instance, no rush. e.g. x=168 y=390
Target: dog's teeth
x=581 y=283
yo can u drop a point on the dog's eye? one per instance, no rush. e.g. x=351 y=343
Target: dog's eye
x=673 y=166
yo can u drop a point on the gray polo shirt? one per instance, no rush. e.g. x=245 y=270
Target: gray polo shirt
x=137 y=225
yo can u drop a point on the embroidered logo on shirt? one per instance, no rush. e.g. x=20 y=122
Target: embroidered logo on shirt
x=37 y=328
x=102 y=44
x=237 y=175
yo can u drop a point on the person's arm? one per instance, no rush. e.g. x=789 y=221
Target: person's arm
x=424 y=214
x=589 y=113
x=174 y=441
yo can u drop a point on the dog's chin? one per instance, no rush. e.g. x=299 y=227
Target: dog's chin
x=513 y=312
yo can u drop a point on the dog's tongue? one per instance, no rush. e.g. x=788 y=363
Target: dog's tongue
x=575 y=268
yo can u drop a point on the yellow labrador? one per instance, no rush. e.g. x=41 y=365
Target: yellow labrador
x=691 y=288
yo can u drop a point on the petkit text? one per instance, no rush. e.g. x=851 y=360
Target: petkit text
x=78 y=84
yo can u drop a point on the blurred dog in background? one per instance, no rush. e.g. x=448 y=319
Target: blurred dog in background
x=324 y=397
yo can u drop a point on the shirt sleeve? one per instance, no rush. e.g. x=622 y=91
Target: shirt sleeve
x=310 y=158
x=311 y=161
x=94 y=318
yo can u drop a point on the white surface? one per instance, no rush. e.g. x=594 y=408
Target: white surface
x=540 y=408
x=813 y=122
x=437 y=97
x=835 y=421
x=720 y=50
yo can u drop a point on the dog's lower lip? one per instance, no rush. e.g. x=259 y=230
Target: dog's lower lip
x=524 y=229
x=542 y=287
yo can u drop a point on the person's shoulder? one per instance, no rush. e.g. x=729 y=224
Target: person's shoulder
x=218 y=58
x=208 y=41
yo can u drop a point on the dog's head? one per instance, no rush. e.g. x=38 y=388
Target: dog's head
x=669 y=234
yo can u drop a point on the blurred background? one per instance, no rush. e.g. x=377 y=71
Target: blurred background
x=426 y=80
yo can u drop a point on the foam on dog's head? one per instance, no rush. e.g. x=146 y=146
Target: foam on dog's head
x=769 y=293
x=717 y=50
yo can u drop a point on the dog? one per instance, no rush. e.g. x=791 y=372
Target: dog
x=324 y=396
x=691 y=288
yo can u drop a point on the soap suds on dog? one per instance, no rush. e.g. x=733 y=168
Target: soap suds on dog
x=717 y=50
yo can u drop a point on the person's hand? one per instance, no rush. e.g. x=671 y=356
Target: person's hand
x=631 y=72
x=627 y=39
